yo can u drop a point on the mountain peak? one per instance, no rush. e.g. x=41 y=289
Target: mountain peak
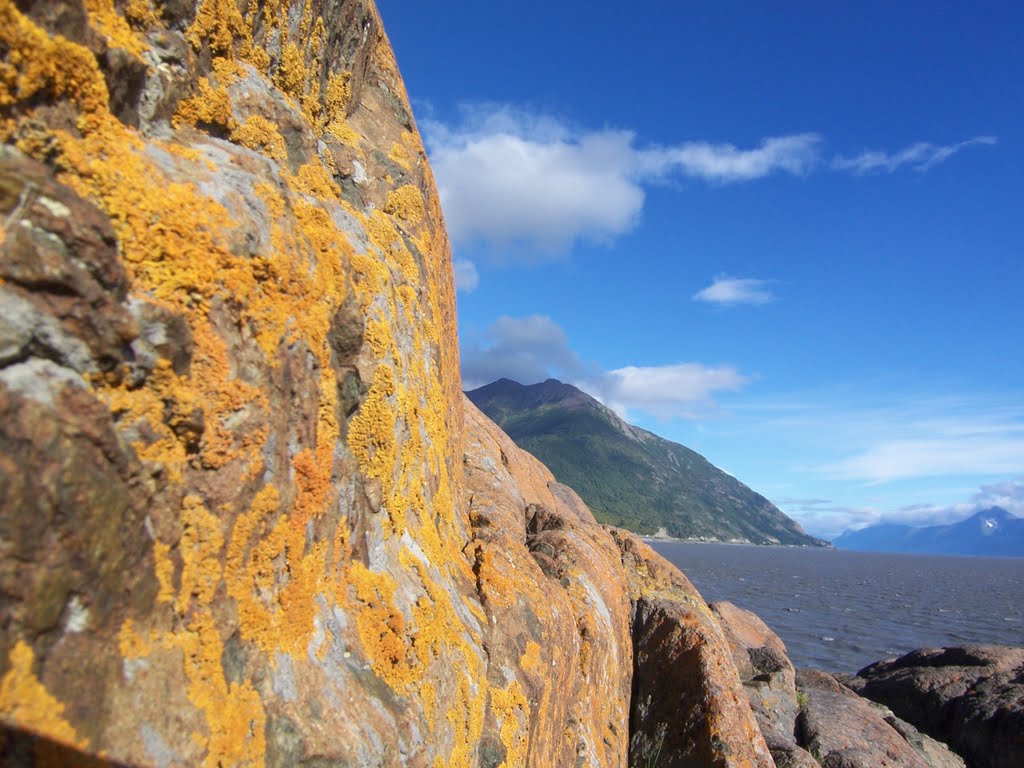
x=627 y=476
x=548 y=392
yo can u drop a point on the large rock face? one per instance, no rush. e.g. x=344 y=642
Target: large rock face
x=242 y=520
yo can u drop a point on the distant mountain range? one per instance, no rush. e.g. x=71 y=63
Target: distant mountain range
x=992 y=531
x=629 y=477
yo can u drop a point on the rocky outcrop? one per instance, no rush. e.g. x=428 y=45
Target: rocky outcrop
x=245 y=515
x=768 y=679
x=970 y=697
x=843 y=730
x=808 y=717
x=688 y=703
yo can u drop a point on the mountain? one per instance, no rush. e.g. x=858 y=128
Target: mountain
x=991 y=531
x=628 y=476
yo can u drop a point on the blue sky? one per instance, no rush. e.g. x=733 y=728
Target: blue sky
x=788 y=235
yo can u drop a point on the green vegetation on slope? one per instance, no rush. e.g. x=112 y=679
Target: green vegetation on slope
x=628 y=476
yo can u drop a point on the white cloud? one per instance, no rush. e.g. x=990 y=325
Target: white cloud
x=466 y=276
x=535 y=348
x=730 y=291
x=936 y=455
x=668 y=391
x=511 y=178
x=919 y=156
x=796 y=154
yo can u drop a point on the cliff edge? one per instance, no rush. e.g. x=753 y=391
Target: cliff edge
x=246 y=517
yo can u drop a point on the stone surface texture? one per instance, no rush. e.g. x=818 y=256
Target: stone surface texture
x=246 y=517
x=842 y=730
x=970 y=697
x=768 y=679
x=688 y=708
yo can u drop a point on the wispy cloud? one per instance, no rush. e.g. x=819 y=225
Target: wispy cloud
x=682 y=390
x=466 y=276
x=532 y=349
x=731 y=291
x=829 y=522
x=534 y=185
x=936 y=455
x=525 y=349
x=508 y=177
x=920 y=156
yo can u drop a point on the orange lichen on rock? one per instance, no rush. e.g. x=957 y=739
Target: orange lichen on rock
x=406 y=203
x=114 y=27
x=25 y=702
x=293 y=423
x=262 y=135
x=513 y=712
x=36 y=64
x=211 y=105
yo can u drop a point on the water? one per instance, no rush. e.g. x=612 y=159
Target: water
x=840 y=611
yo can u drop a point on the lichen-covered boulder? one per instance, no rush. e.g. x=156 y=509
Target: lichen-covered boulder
x=246 y=517
x=689 y=707
x=232 y=522
x=768 y=677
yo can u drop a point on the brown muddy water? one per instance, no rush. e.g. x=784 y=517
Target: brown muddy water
x=840 y=611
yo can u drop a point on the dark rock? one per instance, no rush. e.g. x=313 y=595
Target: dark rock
x=970 y=697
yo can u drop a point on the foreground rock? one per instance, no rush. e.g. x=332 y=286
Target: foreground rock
x=246 y=518
x=808 y=713
x=843 y=730
x=971 y=697
x=688 y=703
x=769 y=680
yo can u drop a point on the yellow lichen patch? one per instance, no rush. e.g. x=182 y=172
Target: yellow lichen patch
x=347 y=135
x=233 y=712
x=211 y=105
x=339 y=92
x=512 y=710
x=400 y=156
x=428 y=695
x=386 y=237
x=201 y=543
x=313 y=179
x=262 y=135
x=291 y=71
x=130 y=643
x=406 y=203
x=164 y=571
x=220 y=23
x=140 y=13
x=25 y=702
x=148 y=406
x=466 y=718
x=371 y=433
x=531 y=657
x=381 y=627
x=109 y=23
x=36 y=65
x=475 y=609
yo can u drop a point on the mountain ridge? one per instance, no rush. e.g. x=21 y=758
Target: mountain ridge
x=988 y=532
x=629 y=476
